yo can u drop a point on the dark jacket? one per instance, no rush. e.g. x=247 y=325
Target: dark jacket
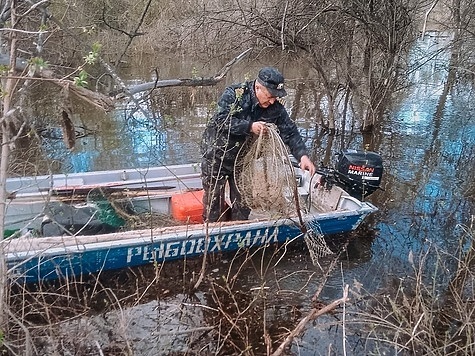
x=230 y=126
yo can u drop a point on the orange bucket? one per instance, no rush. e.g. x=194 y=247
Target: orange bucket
x=188 y=207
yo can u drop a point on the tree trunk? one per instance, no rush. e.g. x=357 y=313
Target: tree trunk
x=330 y=96
x=9 y=87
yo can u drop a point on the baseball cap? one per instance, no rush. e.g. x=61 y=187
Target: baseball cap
x=273 y=80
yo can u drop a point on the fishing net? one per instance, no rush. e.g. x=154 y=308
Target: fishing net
x=316 y=242
x=266 y=181
x=264 y=174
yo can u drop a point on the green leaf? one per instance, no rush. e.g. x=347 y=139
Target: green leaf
x=81 y=79
x=38 y=62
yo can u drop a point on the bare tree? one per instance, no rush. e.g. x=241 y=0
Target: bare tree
x=10 y=130
x=355 y=47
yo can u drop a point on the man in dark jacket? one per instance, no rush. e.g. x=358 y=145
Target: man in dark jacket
x=243 y=110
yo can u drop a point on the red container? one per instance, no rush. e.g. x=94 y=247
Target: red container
x=188 y=207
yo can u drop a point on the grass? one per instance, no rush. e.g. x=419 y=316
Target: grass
x=427 y=313
x=249 y=304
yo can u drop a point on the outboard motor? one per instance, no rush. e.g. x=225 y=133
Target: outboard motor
x=359 y=172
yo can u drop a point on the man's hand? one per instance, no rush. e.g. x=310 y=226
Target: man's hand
x=306 y=164
x=258 y=127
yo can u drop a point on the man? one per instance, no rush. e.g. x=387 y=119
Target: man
x=243 y=110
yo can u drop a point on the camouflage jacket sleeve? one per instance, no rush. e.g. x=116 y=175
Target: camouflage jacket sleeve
x=288 y=131
x=231 y=117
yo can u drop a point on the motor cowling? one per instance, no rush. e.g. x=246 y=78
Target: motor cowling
x=359 y=172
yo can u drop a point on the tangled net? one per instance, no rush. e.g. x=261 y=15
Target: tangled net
x=316 y=242
x=265 y=177
x=266 y=181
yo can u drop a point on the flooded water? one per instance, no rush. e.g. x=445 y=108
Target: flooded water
x=427 y=142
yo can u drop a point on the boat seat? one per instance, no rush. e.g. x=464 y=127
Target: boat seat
x=64 y=184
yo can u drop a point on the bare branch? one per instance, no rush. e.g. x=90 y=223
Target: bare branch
x=185 y=81
x=426 y=17
x=135 y=33
x=35 y=6
x=282 y=34
x=187 y=331
x=313 y=314
x=7 y=29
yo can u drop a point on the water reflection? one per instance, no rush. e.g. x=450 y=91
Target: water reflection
x=129 y=138
x=429 y=155
x=429 y=134
x=163 y=129
x=428 y=148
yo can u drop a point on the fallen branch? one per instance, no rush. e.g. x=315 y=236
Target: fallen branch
x=313 y=314
x=94 y=98
x=186 y=81
x=181 y=332
x=107 y=102
x=111 y=71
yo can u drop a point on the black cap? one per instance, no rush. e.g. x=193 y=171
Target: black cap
x=273 y=80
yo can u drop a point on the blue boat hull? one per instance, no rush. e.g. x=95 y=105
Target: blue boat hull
x=74 y=256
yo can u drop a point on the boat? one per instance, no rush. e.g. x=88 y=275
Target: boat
x=47 y=243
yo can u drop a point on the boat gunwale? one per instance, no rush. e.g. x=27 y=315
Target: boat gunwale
x=53 y=245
